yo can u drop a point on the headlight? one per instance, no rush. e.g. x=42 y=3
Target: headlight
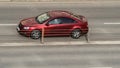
x=26 y=28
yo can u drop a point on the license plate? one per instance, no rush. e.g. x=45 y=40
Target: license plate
x=18 y=28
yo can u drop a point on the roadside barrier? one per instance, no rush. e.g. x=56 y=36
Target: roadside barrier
x=43 y=34
x=86 y=37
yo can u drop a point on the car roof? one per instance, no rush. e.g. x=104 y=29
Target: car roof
x=59 y=13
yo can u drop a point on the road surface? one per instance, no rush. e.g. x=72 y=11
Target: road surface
x=103 y=20
x=90 y=56
x=104 y=26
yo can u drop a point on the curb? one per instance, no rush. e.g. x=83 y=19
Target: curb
x=62 y=43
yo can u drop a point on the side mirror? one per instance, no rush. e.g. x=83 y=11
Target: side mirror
x=47 y=24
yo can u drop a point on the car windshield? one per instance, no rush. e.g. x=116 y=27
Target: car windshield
x=43 y=17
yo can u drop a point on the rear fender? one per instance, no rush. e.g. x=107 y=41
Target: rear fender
x=76 y=27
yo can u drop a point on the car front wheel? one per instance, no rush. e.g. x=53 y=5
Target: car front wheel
x=35 y=34
x=76 y=33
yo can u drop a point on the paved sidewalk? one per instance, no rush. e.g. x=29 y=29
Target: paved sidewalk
x=72 y=43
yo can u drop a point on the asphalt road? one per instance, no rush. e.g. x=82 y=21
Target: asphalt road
x=104 y=26
x=90 y=56
x=103 y=20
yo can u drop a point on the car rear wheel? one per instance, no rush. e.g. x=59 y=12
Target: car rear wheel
x=76 y=33
x=35 y=34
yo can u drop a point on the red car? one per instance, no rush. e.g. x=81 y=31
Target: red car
x=55 y=23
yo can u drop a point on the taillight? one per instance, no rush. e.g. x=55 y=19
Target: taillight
x=82 y=18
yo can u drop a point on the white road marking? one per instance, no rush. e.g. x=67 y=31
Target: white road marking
x=100 y=67
x=110 y=23
x=60 y=43
x=8 y=24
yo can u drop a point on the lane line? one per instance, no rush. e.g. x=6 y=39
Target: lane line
x=52 y=1
x=60 y=43
x=117 y=23
x=17 y=24
x=100 y=67
x=8 y=24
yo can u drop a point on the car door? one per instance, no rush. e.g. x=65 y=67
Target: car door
x=59 y=26
x=67 y=25
x=52 y=27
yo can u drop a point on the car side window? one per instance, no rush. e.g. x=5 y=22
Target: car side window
x=55 y=21
x=62 y=20
x=66 y=20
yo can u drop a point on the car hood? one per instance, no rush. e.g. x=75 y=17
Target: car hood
x=29 y=21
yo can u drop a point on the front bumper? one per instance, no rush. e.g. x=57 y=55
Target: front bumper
x=23 y=32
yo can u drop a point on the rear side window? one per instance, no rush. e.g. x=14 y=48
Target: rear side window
x=66 y=20
x=62 y=20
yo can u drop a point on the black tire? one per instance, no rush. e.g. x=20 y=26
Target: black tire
x=35 y=34
x=76 y=33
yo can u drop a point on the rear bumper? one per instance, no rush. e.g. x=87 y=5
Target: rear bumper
x=85 y=31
